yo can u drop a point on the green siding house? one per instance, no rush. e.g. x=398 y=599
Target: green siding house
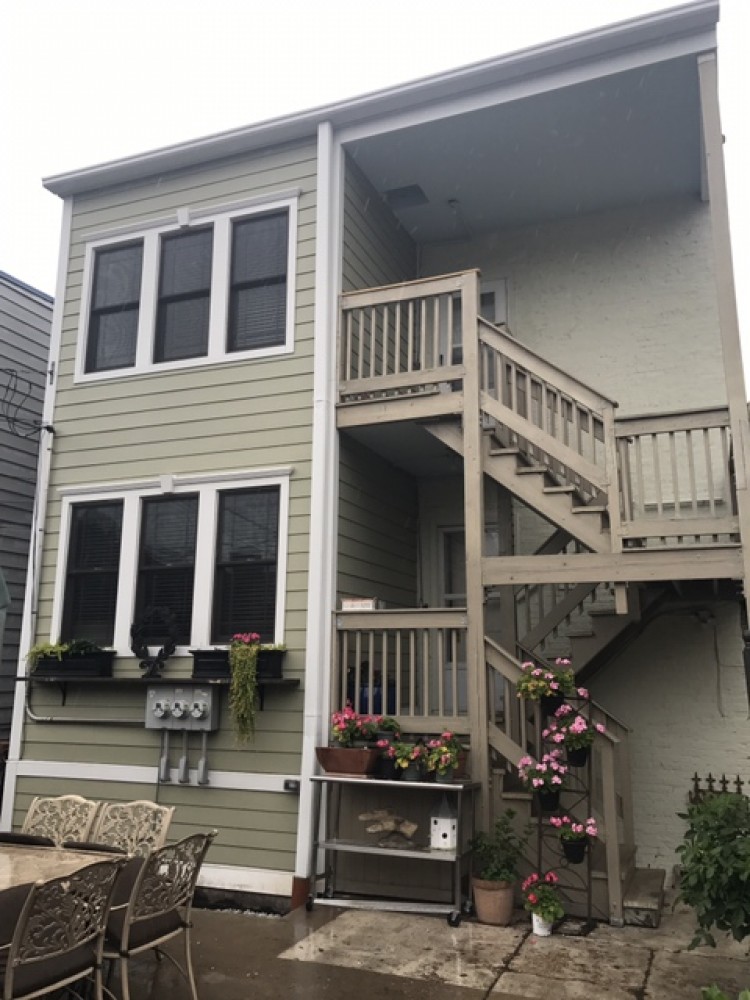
x=465 y=351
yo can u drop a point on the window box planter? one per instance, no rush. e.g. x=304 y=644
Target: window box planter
x=77 y=665
x=214 y=663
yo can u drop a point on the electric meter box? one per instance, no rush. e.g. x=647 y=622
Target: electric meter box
x=192 y=707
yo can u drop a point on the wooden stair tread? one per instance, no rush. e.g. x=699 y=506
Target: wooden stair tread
x=591 y=509
x=559 y=489
x=527 y=470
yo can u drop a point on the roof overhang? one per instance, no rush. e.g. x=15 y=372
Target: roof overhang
x=690 y=27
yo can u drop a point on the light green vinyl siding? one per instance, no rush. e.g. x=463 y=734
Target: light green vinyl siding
x=256 y=829
x=232 y=416
x=377 y=528
x=376 y=249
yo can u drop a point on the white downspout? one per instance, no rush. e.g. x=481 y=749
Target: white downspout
x=324 y=484
x=36 y=539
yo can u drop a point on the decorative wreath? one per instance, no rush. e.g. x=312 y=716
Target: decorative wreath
x=162 y=617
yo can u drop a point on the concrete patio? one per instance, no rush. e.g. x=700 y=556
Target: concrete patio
x=332 y=953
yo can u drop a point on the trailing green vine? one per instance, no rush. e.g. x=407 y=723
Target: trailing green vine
x=243 y=689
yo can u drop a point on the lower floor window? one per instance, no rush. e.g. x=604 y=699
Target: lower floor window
x=200 y=561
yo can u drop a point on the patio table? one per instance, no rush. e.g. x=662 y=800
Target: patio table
x=21 y=863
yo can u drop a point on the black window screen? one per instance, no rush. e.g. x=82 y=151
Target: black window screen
x=257 y=304
x=113 y=320
x=184 y=295
x=92 y=571
x=246 y=563
x=166 y=564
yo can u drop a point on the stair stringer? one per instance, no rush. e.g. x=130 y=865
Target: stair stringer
x=528 y=485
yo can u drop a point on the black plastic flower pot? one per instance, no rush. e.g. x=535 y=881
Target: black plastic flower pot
x=578 y=756
x=574 y=850
x=549 y=799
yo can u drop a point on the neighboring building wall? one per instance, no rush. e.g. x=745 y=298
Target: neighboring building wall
x=376 y=250
x=228 y=417
x=25 y=320
x=625 y=300
x=378 y=518
x=680 y=687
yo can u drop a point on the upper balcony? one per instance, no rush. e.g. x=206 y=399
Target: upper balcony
x=621 y=487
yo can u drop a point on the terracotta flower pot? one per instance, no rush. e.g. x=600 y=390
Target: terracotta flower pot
x=348 y=760
x=493 y=901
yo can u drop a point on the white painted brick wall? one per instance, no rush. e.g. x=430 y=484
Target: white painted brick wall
x=681 y=688
x=624 y=299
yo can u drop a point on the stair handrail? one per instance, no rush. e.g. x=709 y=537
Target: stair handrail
x=495 y=336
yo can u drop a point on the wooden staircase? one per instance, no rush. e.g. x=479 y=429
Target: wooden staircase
x=629 y=504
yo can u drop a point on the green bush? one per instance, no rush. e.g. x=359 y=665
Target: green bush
x=715 y=856
x=714 y=993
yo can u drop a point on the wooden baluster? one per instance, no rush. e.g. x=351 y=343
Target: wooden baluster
x=398 y=356
x=436 y=360
x=425 y=672
x=675 y=478
x=726 y=486
x=412 y=672
x=691 y=472
x=454 y=670
x=385 y=340
x=709 y=472
x=348 y=336
x=373 y=339
x=450 y=333
x=641 y=506
x=422 y=334
x=398 y=673
x=657 y=475
x=410 y=335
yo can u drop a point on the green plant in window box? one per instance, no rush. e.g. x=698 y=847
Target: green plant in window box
x=79 y=657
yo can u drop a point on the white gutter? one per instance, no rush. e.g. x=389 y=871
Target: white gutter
x=652 y=31
x=36 y=539
x=324 y=484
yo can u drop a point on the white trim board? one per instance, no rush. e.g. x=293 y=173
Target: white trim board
x=145 y=775
x=258 y=880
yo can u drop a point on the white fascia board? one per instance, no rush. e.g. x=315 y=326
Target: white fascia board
x=692 y=24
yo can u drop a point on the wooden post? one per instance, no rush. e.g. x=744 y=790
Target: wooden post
x=474 y=532
x=725 y=292
x=612 y=845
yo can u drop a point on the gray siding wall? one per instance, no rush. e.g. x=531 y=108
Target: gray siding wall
x=25 y=321
x=377 y=502
x=376 y=249
x=233 y=416
x=378 y=525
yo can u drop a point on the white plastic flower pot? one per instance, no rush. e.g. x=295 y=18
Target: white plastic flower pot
x=539 y=926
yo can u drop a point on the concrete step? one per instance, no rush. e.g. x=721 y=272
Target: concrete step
x=643 y=898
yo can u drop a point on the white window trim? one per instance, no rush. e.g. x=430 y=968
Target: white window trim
x=221 y=219
x=208 y=490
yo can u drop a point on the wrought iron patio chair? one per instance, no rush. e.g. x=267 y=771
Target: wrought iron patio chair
x=61 y=818
x=135 y=827
x=152 y=904
x=56 y=932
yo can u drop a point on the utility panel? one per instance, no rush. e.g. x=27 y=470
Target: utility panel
x=192 y=707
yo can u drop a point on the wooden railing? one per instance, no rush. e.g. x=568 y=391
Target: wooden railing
x=406 y=663
x=400 y=338
x=676 y=478
x=554 y=418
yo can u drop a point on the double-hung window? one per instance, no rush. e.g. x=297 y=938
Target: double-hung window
x=207 y=558
x=202 y=289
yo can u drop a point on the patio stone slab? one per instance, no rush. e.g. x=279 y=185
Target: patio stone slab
x=518 y=984
x=592 y=959
x=414 y=947
x=674 y=934
x=677 y=976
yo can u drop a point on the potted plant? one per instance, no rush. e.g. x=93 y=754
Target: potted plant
x=78 y=658
x=547 y=685
x=574 y=836
x=442 y=756
x=387 y=730
x=544 y=777
x=573 y=731
x=495 y=857
x=542 y=901
x=344 y=756
x=409 y=759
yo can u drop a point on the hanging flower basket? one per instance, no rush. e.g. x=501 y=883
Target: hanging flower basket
x=577 y=756
x=548 y=800
x=575 y=850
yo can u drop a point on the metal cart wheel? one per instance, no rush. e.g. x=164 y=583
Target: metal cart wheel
x=454 y=918
x=310 y=903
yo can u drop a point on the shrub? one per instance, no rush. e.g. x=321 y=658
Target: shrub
x=715 y=856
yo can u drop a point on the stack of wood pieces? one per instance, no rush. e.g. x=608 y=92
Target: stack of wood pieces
x=398 y=831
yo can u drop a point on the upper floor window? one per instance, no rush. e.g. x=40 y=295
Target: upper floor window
x=210 y=288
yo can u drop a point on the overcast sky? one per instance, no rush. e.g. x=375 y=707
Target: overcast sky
x=86 y=81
